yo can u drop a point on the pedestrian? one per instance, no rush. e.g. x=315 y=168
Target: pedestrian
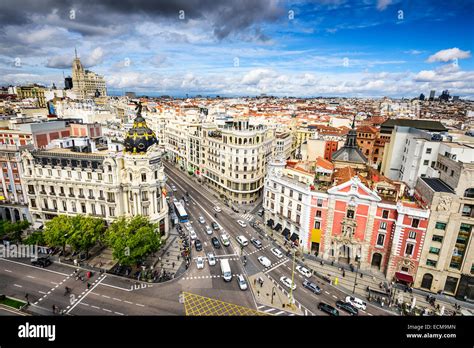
x=258 y=292
x=173 y=264
x=343 y=273
x=26 y=297
x=255 y=281
x=88 y=285
x=178 y=257
x=54 y=309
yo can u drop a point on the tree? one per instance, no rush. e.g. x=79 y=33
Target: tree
x=132 y=239
x=13 y=230
x=57 y=231
x=86 y=232
x=36 y=238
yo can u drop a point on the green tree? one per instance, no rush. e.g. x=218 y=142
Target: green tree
x=13 y=230
x=57 y=231
x=132 y=239
x=36 y=238
x=86 y=232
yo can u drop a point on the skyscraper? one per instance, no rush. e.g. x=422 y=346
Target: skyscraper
x=86 y=84
x=432 y=94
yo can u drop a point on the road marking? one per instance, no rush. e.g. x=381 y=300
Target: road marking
x=78 y=301
x=18 y=286
x=280 y=312
x=334 y=296
x=369 y=314
x=116 y=287
x=128 y=302
x=139 y=304
x=7 y=270
x=107 y=310
x=119 y=313
x=276 y=266
x=105 y=296
x=37 y=268
x=95 y=307
x=269 y=310
x=327 y=293
x=42 y=292
x=84 y=304
x=54 y=283
x=116 y=299
x=28 y=276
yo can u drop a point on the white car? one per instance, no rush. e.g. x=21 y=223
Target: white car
x=242 y=240
x=208 y=230
x=193 y=235
x=304 y=271
x=217 y=209
x=200 y=262
x=225 y=240
x=242 y=283
x=287 y=282
x=173 y=188
x=264 y=261
x=276 y=252
x=356 y=302
x=201 y=220
x=188 y=226
x=211 y=259
x=242 y=223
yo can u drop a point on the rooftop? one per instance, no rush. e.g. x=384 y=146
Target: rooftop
x=437 y=185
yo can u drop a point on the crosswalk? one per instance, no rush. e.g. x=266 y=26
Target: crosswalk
x=247 y=217
x=274 y=311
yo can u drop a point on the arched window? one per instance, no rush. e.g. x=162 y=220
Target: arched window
x=427 y=281
x=469 y=193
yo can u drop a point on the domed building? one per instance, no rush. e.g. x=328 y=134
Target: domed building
x=140 y=137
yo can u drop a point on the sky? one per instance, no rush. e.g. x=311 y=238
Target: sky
x=369 y=48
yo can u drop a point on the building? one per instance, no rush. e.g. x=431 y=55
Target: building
x=284 y=142
x=98 y=181
x=68 y=82
x=39 y=134
x=32 y=92
x=85 y=83
x=447 y=259
x=349 y=154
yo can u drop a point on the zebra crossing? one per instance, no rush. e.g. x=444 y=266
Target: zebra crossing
x=274 y=311
x=247 y=217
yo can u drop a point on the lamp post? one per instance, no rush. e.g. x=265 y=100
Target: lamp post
x=273 y=293
x=355 y=280
x=292 y=279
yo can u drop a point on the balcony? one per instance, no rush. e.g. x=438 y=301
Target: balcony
x=110 y=200
x=71 y=195
x=62 y=194
x=90 y=197
x=81 y=196
x=102 y=198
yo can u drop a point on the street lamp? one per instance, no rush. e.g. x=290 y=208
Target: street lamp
x=292 y=279
x=355 y=280
x=273 y=293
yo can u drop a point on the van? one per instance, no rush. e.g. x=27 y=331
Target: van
x=225 y=240
x=242 y=240
x=225 y=268
x=356 y=302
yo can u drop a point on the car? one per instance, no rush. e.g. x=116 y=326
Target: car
x=188 y=226
x=41 y=262
x=225 y=240
x=304 y=271
x=277 y=252
x=201 y=220
x=260 y=213
x=200 y=262
x=256 y=242
x=242 y=223
x=242 y=283
x=264 y=261
x=242 y=240
x=185 y=199
x=173 y=188
x=324 y=307
x=217 y=209
x=356 y=302
x=346 y=306
x=211 y=259
x=193 y=235
x=198 y=245
x=287 y=282
x=215 y=243
x=215 y=225
x=208 y=230
x=179 y=228
x=311 y=286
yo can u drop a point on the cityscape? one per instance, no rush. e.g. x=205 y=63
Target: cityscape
x=237 y=158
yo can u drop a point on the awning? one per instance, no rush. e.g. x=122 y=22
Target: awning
x=277 y=227
x=404 y=277
x=294 y=237
x=286 y=232
x=270 y=222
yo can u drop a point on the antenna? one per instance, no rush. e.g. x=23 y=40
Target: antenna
x=75 y=52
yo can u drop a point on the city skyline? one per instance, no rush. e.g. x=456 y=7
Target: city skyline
x=293 y=48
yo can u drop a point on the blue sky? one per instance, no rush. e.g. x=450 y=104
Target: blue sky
x=286 y=48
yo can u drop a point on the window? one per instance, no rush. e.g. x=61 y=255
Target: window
x=436 y=238
x=383 y=225
x=380 y=239
x=409 y=249
x=300 y=197
x=426 y=162
x=89 y=176
x=415 y=223
x=431 y=263
x=143 y=177
x=318 y=213
x=468 y=210
x=385 y=214
x=111 y=211
x=99 y=176
x=317 y=224
x=350 y=214
x=428 y=150
x=412 y=235
x=469 y=193
x=83 y=208
x=319 y=203
x=440 y=226
x=434 y=250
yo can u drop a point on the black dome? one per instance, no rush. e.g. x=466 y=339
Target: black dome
x=140 y=137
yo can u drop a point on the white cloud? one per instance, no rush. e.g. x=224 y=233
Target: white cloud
x=257 y=76
x=383 y=4
x=449 y=54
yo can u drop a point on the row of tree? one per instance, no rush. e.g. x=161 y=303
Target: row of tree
x=131 y=239
x=12 y=231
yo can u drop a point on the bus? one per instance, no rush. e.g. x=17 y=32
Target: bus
x=181 y=212
x=225 y=268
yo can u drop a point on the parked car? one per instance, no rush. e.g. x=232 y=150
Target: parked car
x=198 y=245
x=215 y=225
x=188 y=226
x=311 y=286
x=304 y=271
x=185 y=199
x=260 y=213
x=201 y=220
x=346 y=306
x=193 y=235
x=287 y=282
x=356 y=302
x=217 y=209
x=242 y=223
x=41 y=262
x=264 y=261
x=173 y=188
x=215 y=243
x=225 y=240
x=242 y=240
x=242 y=283
x=277 y=252
x=208 y=230
x=200 y=262
x=324 y=307
x=256 y=242
x=211 y=259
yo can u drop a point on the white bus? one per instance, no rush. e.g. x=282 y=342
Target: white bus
x=182 y=215
x=225 y=268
